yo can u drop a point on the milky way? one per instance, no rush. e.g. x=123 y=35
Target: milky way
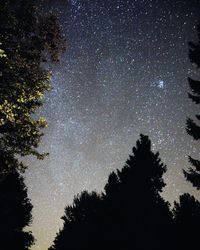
x=124 y=73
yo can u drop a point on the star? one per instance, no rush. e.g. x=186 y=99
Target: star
x=161 y=84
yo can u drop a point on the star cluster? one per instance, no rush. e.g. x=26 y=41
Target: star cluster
x=124 y=73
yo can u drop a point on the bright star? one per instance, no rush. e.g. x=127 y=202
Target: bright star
x=161 y=84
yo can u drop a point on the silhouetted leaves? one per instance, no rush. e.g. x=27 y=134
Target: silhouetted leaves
x=15 y=213
x=194 y=50
x=193 y=175
x=81 y=221
x=187 y=221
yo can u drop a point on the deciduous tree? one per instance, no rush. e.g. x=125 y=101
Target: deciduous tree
x=28 y=37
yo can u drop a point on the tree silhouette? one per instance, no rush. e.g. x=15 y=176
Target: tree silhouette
x=187 y=221
x=28 y=38
x=193 y=173
x=141 y=210
x=81 y=223
x=15 y=213
x=130 y=214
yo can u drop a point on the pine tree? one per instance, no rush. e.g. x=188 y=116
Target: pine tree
x=15 y=213
x=28 y=37
x=187 y=221
x=193 y=173
x=144 y=215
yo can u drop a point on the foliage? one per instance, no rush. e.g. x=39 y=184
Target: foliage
x=28 y=38
x=193 y=173
x=141 y=211
x=187 y=221
x=81 y=223
x=15 y=213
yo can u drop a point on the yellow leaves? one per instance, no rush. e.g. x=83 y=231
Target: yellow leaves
x=19 y=114
x=42 y=122
x=10 y=117
x=2 y=53
x=21 y=99
x=38 y=95
x=7 y=112
x=49 y=75
x=24 y=80
x=2 y=122
x=27 y=97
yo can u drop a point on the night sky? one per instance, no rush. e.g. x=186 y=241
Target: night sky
x=124 y=73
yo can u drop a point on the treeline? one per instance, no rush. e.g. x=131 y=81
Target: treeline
x=130 y=213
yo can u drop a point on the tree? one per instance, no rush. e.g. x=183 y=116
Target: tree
x=144 y=217
x=81 y=224
x=193 y=173
x=15 y=213
x=130 y=214
x=187 y=221
x=28 y=38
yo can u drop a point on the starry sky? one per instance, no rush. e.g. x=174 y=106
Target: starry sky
x=124 y=73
